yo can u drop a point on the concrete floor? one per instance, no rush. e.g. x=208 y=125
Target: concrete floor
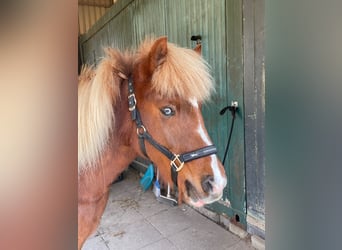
x=134 y=219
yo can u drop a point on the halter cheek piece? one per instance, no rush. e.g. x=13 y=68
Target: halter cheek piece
x=176 y=160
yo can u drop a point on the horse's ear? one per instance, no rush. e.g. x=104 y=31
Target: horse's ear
x=198 y=49
x=157 y=54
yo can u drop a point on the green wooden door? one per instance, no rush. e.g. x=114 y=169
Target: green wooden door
x=219 y=23
x=234 y=199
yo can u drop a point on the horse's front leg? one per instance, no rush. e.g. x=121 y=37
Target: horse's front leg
x=89 y=215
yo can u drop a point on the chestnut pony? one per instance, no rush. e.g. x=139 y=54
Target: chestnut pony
x=145 y=103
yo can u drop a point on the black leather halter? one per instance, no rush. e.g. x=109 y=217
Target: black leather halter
x=176 y=160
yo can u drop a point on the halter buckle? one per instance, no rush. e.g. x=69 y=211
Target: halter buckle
x=177 y=163
x=132 y=101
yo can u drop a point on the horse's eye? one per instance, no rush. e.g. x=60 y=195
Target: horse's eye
x=167 y=111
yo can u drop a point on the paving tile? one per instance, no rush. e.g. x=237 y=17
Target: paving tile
x=242 y=244
x=204 y=237
x=134 y=219
x=95 y=243
x=127 y=216
x=148 y=205
x=171 y=221
x=164 y=244
x=119 y=193
x=131 y=236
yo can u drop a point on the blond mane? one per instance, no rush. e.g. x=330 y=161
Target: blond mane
x=184 y=74
x=98 y=91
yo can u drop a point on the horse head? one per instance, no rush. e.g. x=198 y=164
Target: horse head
x=168 y=86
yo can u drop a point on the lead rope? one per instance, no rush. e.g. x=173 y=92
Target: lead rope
x=233 y=108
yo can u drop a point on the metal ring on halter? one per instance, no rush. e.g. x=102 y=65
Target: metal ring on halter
x=139 y=132
x=176 y=161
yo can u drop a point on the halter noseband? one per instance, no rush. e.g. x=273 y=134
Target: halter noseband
x=176 y=160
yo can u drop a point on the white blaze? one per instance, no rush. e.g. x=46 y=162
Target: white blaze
x=220 y=180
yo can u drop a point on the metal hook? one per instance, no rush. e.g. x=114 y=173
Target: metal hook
x=197 y=38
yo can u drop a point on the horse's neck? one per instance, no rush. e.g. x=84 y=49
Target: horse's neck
x=116 y=157
x=115 y=160
x=94 y=183
x=120 y=152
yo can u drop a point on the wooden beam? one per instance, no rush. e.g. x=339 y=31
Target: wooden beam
x=96 y=3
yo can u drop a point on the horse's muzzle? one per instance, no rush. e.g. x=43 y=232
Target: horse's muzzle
x=212 y=191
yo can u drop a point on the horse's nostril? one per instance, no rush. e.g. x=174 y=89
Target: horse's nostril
x=207 y=183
